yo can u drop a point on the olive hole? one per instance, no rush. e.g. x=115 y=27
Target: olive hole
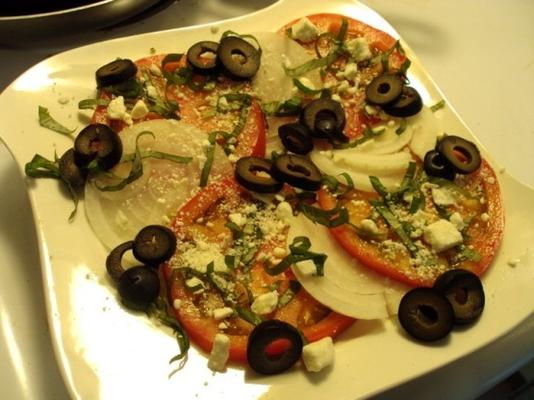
x=259 y=172
x=299 y=169
x=94 y=144
x=462 y=155
x=207 y=54
x=238 y=56
x=460 y=295
x=427 y=314
x=384 y=87
x=275 y=350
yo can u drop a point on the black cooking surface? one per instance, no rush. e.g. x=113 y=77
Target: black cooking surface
x=13 y=8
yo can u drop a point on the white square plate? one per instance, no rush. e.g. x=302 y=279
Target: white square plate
x=106 y=352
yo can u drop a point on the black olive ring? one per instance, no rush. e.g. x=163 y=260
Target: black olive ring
x=254 y=173
x=115 y=72
x=265 y=334
x=464 y=291
x=114 y=260
x=407 y=104
x=154 y=244
x=297 y=171
x=296 y=138
x=203 y=65
x=384 y=89
x=461 y=154
x=435 y=165
x=325 y=118
x=238 y=58
x=100 y=142
x=426 y=314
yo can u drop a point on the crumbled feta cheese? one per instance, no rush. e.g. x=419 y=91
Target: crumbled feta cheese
x=265 y=303
x=117 y=110
x=484 y=217
x=176 y=304
x=195 y=283
x=155 y=70
x=350 y=71
x=152 y=92
x=442 y=197
x=336 y=97
x=304 y=30
x=369 y=225
x=238 y=219
x=222 y=313
x=219 y=353
x=343 y=86
x=457 y=220
x=442 y=235
x=306 y=268
x=319 y=354
x=370 y=110
x=214 y=29
x=63 y=100
x=284 y=211
x=359 y=49
x=139 y=110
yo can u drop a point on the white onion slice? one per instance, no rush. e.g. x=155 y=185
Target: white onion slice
x=271 y=82
x=347 y=287
x=164 y=186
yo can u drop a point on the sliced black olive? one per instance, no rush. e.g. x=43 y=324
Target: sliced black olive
x=465 y=293
x=325 y=118
x=263 y=335
x=296 y=138
x=154 y=244
x=138 y=287
x=462 y=154
x=100 y=142
x=409 y=103
x=254 y=173
x=202 y=57
x=115 y=72
x=238 y=58
x=426 y=314
x=384 y=89
x=435 y=165
x=298 y=171
x=70 y=172
x=171 y=57
x=114 y=260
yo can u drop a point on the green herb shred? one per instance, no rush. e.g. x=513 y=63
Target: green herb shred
x=46 y=121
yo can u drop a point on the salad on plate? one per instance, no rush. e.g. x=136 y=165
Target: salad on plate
x=263 y=192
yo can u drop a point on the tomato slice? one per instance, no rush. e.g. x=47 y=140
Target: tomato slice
x=212 y=205
x=482 y=211
x=379 y=42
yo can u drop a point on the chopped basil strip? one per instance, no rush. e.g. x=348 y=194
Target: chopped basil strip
x=158 y=310
x=129 y=89
x=384 y=58
x=230 y=261
x=466 y=254
x=40 y=167
x=395 y=224
x=404 y=67
x=304 y=89
x=248 y=315
x=233 y=33
x=342 y=31
x=210 y=154
x=135 y=173
x=46 y=121
x=329 y=218
x=402 y=127
x=328 y=35
x=293 y=106
x=313 y=64
x=160 y=156
x=92 y=103
x=289 y=294
x=380 y=188
x=438 y=106
x=299 y=251
x=332 y=183
x=368 y=134
x=164 y=108
x=237 y=232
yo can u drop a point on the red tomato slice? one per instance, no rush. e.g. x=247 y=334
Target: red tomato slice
x=484 y=233
x=379 y=42
x=314 y=320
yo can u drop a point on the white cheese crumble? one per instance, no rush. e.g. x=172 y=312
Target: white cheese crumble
x=457 y=220
x=304 y=30
x=284 y=211
x=265 y=303
x=484 y=217
x=442 y=235
x=139 y=110
x=152 y=92
x=155 y=70
x=219 y=353
x=117 y=110
x=319 y=354
x=222 y=313
x=369 y=225
x=442 y=196
x=238 y=219
x=176 y=304
x=196 y=283
x=359 y=49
